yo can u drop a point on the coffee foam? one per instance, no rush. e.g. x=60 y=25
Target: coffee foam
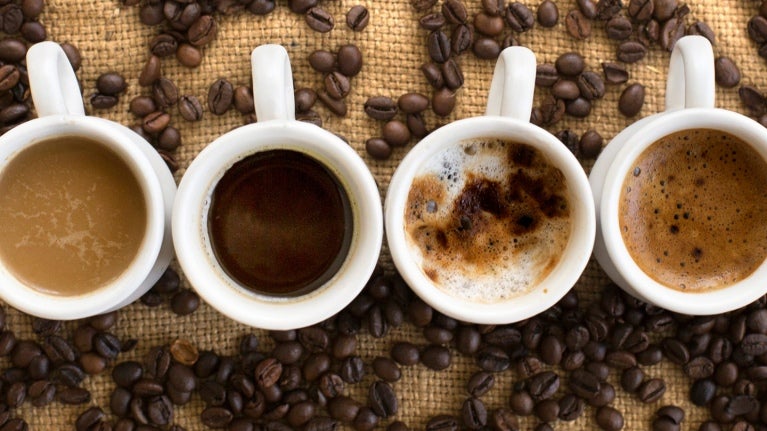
x=488 y=220
x=692 y=210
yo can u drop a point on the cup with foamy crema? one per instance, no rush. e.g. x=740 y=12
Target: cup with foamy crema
x=490 y=219
x=680 y=198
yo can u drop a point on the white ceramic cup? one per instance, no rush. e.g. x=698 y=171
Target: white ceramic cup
x=689 y=105
x=507 y=117
x=276 y=128
x=57 y=99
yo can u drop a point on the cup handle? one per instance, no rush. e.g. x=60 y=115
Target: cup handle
x=513 y=84
x=52 y=81
x=691 y=75
x=272 y=83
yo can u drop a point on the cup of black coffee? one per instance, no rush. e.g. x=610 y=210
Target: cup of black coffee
x=489 y=219
x=277 y=224
x=84 y=204
x=681 y=198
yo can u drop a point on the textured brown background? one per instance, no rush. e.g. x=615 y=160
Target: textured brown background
x=110 y=37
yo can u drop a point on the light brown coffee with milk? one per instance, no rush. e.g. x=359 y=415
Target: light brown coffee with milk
x=488 y=220
x=692 y=210
x=73 y=216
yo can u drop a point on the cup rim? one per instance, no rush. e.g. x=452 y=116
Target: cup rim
x=567 y=271
x=190 y=231
x=61 y=307
x=693 y=303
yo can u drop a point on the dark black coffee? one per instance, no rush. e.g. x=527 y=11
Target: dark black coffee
x=280 y=223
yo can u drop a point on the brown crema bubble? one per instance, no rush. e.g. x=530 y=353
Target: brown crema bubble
x=488 y=219
x=691 y=210
x=73 y=215
x=280 y=223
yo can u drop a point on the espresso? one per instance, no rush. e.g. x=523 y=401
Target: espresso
x=488 y=220
x=73 y=216
x=692 y=210
x=280 y=223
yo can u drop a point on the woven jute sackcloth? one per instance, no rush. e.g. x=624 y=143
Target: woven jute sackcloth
x=111 y=38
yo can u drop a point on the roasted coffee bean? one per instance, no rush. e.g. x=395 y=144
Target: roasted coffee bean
x=673 y=414
x=551 y=350
x=605 y=396
x=503 y=420
x=349 y=59
x=202 y=31
x=220 y=96
x=155 y=122
x=33 y=32
x=190 y=108
x=493 y=7
x=493 y=359
x=268 y=372
x=216 y=417
x=92 y=363
x=543 y=385
x=417 y=126
x=436 y=357
x=146 y=387
x=619 y=28
x=452 y=74
x=322 y=61
x=12 y=50
x=378 y=148
x=614 y=73
x=125 y=374
x=474 y=413
x=432 y=21
x=411 y=103
x=547 y=410
x=188 y=55
x=41 y=393
x=73 y=395
x=754 y=344
x=439 y=46
x=651 y=390
x=570 y=407
x=184 y=302
x=443 y=102
x=382 y=399
x=489 y=25
x=405 y=353
x=702 y=392
x=301 y=6
x=584 y=384
x=163 y=45
x=386 y=369
x=565 y=89
x=433 y=75
x=552 y=110
x=522 y=403
x=757 y=29
x=442 y=423
x=169 y=139
x=159 y=410
x=519 y=17
x=165 y=93
x=548 y=14
x=609 y=419
x=461 y=39
x=700 y=28
x=546 y=75
x=753 y=99
x=607 y=9
x=9 y=77
x=103 y=101
x=319 y=20
x=591 y=85
x=305 y=99
x=141 y=106
x=396 y=133
x=111 y=83
x=590 y=144
x=480 y=383
x=631 y=51
x=357 y=18
x=337 y=85
x=454 y=11
x=641 y=10
x=343 y=408
x=89 y=418
x=631 y=100
x=315 y=365
x=486 y=48
x=570 y=64
x=352 y=369
x=671 y=31
x=577 y=25
x=381 y=108
x=675 y=351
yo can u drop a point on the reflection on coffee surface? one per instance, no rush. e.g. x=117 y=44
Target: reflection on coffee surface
x=73 y=216
x=692 y=210
x=488 y=219
x=280 y=223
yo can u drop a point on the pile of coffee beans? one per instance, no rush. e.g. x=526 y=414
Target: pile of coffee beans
x=21 y=27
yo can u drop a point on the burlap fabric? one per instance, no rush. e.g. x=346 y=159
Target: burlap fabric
x=111 y=38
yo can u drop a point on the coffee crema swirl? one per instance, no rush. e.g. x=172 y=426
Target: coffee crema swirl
x=488 y=219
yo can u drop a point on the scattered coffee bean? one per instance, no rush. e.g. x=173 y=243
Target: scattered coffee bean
x=631 y=100
x=357 y=18
x=220 y=96
x=519 y=17
x=578 y=25
x=319 y=20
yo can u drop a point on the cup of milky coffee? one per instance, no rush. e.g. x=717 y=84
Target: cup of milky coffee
x=490 y=219
x=277 y=224
x=681 y=198
x=84 y=204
